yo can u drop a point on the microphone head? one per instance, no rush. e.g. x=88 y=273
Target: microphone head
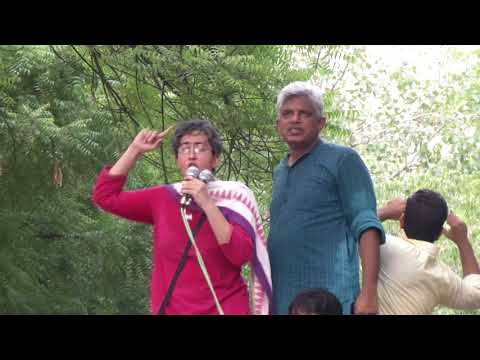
x=192 y=171
x=206 y=176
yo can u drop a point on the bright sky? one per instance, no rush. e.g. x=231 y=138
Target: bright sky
x=432 y=62
x=428 y=59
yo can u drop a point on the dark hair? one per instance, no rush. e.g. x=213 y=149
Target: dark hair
x=315 y=302
x=425 y=213
x=190 y=126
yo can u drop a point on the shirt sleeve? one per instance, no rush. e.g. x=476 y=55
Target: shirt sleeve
x=108 y=194
x=461 y=293
x=239 y=249
x=357 y=196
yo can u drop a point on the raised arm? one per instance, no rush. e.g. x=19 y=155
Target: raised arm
x=144 y=142
x=392 y=210
x=461 y=293
x=108 y=191
x=458 y=233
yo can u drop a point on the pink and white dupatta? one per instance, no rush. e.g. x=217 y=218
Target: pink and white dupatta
x=237 y=201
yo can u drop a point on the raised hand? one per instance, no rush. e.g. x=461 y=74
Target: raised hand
x=148 y=140
x=145 y=141
x=458 y=231
x=392 y=210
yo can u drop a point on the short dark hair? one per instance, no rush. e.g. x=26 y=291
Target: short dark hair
x=425 y=214
x=315 y=302
x=194 y=125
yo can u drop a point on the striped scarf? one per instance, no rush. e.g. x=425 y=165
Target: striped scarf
x=239 y=199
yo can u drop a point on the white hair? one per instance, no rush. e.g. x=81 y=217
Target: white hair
x=302 y=88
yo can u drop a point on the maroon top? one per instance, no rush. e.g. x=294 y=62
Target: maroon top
x=160 y=207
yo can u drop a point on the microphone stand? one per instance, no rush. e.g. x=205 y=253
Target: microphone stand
x=199 y=258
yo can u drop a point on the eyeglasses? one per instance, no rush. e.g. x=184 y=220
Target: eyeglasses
x=185 y=149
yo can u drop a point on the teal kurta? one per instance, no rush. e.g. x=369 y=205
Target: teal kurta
x=320 y=207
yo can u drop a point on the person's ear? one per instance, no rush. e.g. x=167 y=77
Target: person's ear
x=216 y=161
x=322 y=121
x=401 y=220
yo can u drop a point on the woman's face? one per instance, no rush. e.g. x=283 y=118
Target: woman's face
x=195 y=150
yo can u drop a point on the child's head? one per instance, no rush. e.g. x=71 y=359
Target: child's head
x=315 y=302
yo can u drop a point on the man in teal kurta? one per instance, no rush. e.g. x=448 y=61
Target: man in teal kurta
x=323 y=205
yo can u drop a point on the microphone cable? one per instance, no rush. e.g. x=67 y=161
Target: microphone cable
x=200 y=260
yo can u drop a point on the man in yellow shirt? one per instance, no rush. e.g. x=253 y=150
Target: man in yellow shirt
x=412 y=279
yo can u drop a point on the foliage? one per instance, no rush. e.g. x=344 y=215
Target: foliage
x=65 y=111
x=418 y=132
x=54 y=258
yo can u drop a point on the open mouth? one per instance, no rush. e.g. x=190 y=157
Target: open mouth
x=294 y=131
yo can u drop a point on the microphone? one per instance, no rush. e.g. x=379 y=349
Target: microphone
x=192 y=171
x=206 y=176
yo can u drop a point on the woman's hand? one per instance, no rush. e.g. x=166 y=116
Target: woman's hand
x=198 y=190
x=145 y=141
x=148 y=140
